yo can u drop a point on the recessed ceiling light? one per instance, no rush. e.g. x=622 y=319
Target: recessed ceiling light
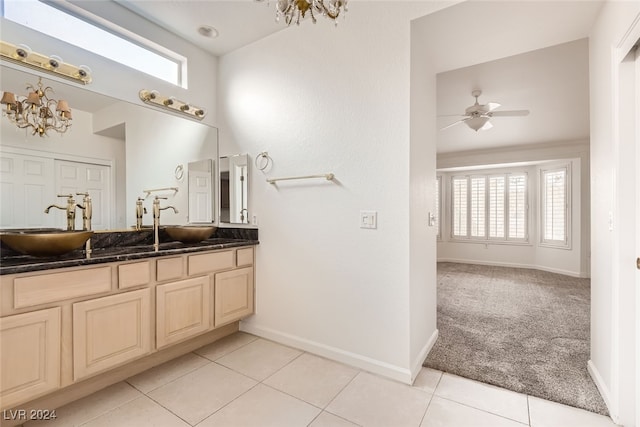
x=207 y=31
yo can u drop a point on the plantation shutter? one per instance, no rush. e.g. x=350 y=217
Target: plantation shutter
x=459 y=202
x=555 y=203
x=478 y=194
x=517 y=206
x=496 y=206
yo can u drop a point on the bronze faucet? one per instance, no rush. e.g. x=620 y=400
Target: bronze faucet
x=70 y=208
x=87 y=211
x=87 y=214
x=156 y=219
x=140 y=211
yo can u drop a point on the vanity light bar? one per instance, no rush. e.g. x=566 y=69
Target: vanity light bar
x=23 y=55
x=170 y=103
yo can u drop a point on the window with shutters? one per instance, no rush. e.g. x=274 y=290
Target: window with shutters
x=459 y=206
x=490 y=207
x=555 y=206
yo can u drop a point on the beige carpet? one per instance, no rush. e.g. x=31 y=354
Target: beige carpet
x=524 y=330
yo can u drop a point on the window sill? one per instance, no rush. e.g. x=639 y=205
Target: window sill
x=490 y=242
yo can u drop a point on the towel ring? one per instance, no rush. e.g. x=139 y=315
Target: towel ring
x=179 y=172
x=262 y=161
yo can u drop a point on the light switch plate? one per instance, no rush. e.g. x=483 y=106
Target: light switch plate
x=368 y=219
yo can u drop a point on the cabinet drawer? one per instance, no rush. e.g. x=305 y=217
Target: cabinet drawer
x=169 y=269
x=244 y=257
x=46 y=288
x=205 y=263
x=30 y=344
x=134 y=274
x=110 y=331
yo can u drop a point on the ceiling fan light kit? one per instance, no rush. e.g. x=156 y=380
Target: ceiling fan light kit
x=478 y=116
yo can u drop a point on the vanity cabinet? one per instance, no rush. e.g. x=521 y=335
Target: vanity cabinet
x=86 y=327
x=182 y=310
x=110 y=331
x=233 y=295
x=30 y=362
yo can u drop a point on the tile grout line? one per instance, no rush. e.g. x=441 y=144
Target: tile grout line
x=171 y=381
x=529 y=410
x=431 y=398
x=479 y=409
x=257 y=382
x=167 y=409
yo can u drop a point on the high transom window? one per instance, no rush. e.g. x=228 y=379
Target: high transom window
x=75 y=26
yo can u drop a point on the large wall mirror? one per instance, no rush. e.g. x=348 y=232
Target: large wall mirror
x=234 y=189
x=115 y=150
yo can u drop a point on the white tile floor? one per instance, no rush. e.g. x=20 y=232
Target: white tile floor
x=243 y=381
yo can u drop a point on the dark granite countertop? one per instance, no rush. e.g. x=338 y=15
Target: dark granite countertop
x=115 y=247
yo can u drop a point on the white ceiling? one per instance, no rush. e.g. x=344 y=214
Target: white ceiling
x=238 y=22
x=552 y=83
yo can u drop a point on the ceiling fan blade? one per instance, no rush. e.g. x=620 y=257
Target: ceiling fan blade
x=512 y=113
x=486 y=126
x=455 y=123
x=452 y=115
x=492 y=106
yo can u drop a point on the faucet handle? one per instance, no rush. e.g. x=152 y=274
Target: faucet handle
x=83 y=194
x=68 y=196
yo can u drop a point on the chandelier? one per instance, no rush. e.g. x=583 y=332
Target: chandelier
x=290 y=9
x=37 y=111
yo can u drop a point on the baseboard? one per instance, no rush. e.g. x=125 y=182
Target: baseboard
x=603 y=389
x=422 y=356
x=353 y=359
x=516 y=265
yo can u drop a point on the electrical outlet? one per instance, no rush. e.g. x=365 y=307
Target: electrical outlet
x=254 y=219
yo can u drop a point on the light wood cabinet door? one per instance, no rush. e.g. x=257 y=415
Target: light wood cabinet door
x=110 y=331
x=30 y=355
x=182 y=310
x=233 y=295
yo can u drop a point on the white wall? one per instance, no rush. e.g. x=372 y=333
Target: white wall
x=338 y=104
x=611 y=362
x=573 y=261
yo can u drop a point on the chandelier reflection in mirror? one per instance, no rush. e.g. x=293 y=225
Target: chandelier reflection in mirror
x=37 y=111
x=295 y=9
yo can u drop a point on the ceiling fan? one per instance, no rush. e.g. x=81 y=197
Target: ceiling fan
x=477 y=116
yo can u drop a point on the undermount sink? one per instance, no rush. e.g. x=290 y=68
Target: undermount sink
x=42 y=242
x=190 y=233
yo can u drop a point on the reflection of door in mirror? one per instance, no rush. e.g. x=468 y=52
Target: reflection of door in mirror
x=31 y=181
x=234 y=189
x=201 y=191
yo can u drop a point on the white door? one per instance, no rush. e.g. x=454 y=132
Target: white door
x=200 y=196
x=27 y=188
x=76 y=177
